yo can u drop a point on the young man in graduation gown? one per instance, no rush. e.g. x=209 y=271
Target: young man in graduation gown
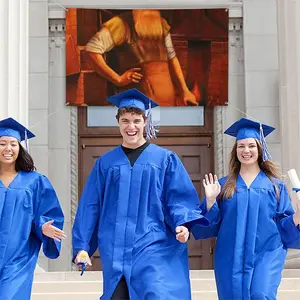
x=137 y=197
x=251 y=215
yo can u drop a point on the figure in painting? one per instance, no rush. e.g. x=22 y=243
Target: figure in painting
x=157 y=73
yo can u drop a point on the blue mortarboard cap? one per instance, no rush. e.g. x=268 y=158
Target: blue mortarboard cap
x=132 y=98
x=245 y=128
x=10 y=127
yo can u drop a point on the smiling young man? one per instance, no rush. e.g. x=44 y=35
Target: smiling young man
x=131 y=122
x=135 y=207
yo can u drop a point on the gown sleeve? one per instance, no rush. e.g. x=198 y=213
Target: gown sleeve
x=180 y=196
x=213 y=217
x=290 y=233
x=85 y=228
x=48 y=209
x=210 y=228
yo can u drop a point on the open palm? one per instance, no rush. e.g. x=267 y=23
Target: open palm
x=211 y=186
x=53 y=232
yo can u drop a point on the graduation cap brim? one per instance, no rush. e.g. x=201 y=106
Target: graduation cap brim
x=132 y=98
x=10 y=127
x=245 y=128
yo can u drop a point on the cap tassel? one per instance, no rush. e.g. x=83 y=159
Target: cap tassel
x=265 y=152
x=26 y=141
x=151 y=129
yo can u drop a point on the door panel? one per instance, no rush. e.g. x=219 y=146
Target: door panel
x=197 y=161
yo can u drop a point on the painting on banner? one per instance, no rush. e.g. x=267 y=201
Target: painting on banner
x=175 y=57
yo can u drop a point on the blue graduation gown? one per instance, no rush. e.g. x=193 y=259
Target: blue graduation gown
x=133 y=212
x=25 y=206
x=253 y=231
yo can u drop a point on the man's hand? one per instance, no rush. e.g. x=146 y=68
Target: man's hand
x=182 y=234
x=133 y=75
x=53 y=232
x=189 y=98
x=83 y=257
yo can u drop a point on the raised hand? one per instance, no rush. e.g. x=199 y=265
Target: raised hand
x=212 y=189
x=53 y=232
x=182 y=234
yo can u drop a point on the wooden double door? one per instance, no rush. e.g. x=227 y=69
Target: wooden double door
x=194 y=146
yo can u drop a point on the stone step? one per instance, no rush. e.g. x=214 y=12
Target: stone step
x=197 y=284
x=282 y=295
x=70 y=285
x=91 y=275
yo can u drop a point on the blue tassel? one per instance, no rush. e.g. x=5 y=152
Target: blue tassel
x=26 y=141
x=265 y=152
x=151 y=128
x=83 y=267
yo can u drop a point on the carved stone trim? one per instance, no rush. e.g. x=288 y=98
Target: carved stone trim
x=74 y=162
x=219 y=140
x=74 y=165
x=235 y=24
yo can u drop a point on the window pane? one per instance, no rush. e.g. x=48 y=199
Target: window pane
x=166 y=116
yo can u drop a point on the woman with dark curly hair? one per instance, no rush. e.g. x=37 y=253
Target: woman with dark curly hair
x=30 y=214
x=251 y=215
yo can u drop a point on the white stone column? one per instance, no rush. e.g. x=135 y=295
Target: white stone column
x=224 y=116
x=14 y=59
x=62 y=149
x=289 y=92
x=261 y=68
x=3 y=58
x=289 y=81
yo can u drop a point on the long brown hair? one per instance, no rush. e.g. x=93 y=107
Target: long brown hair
x=268 y=167
x=148 y=24
x=24 y=162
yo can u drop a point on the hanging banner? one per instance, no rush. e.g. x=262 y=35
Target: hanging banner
x=176 y=57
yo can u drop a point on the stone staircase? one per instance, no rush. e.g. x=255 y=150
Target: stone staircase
x=71 y=286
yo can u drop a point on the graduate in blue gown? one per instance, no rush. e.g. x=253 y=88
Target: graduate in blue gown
x=251 y=215
x=30 y=214
x=135 y=207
